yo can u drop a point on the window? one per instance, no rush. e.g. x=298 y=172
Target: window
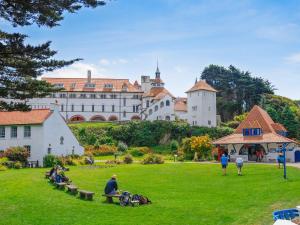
x=194 y=108
x=59 y=85
x=124 y=101
x=62 y=95
x=89 y=85
x=2 y=132
x=103 y=96
x=49 y=149
x=147 y=103
x=168 y=118
x=61 y=140
x=209 y=122
x=113 y=108
x=133 y=108
x=28 y=148
x=72 y=95
x=14 y=132
x=162 y=104
x=113 y=96
x=135 y=96
x=62 y=108
x=103 y=108
x=124 y=114
x=72 y=108
x=150 y=112
x=108 y=86
x=82 y=95
x=167 y=103
x=93 y=96
x=27 y=131
x=93 y=108
x=252 y=131
x=156 y=108
x=82 y=108
x=73 y=150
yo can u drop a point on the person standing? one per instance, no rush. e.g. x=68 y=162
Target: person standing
x=239 y=164
x=224 y=163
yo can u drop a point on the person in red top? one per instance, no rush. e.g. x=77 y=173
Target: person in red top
x=257 y=155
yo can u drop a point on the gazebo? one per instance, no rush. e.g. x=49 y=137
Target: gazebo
x=258 y=132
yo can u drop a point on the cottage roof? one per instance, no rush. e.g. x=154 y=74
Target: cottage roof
x=35 y=116
x=202 y=85
x=180 y=104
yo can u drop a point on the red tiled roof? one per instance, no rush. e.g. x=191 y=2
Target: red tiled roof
x=78 y=84
x=180 y=104
x=257 y=118
x=158 y=93
x=202 y=85
x=35 y=116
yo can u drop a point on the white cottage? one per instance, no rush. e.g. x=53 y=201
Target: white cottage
x=41 y=131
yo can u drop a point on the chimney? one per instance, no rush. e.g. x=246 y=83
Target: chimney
x=89 y=76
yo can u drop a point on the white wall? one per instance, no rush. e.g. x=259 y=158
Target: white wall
x=35 y=141
x=55 y=128
x=162 y=112
x=202 y=108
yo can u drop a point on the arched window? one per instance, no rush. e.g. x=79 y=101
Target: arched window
x=156 y=108
x=150 y=112
x=162 y=104
x=167 y=103
x=168 y=118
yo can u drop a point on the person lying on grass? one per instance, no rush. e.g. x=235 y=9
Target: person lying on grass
x=111 y=187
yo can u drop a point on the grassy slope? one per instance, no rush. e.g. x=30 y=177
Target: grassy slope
x=93 y=124
x=181 y=194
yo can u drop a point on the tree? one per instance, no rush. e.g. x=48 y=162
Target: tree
x=238 y=91
x=289 y=120
x=20 y=63
x=201 y=146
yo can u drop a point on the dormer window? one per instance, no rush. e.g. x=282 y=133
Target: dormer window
x=89 y=85
x=73 y=85
x=59 y=85
x=252 y=131
x=108 y=86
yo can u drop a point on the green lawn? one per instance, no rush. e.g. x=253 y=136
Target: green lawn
x=181 y=194
x=93 y=124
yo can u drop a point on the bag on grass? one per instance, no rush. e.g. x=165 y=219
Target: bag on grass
x=125 y=198
x=143 y=200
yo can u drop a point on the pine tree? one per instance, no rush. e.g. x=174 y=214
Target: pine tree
x=21 y=64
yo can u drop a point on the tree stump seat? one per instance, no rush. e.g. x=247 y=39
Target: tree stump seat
x=86 y=194
x=72 y=189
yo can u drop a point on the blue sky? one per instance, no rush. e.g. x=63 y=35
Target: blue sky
x=124 y=39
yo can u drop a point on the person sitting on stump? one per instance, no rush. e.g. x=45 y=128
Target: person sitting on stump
x=111 y=187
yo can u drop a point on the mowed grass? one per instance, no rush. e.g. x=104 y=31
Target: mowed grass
x=181 y=194
x=93 y=124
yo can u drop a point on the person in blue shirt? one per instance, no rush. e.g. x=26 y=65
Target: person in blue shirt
x=111 y=187
x=224 y=163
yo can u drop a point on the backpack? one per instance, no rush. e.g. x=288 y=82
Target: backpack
x=125 y=198
x=141 y=199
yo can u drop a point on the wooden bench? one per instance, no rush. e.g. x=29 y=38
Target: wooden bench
x=61 y=185
x=86 y=194
x=109 y=198
x=72 y=189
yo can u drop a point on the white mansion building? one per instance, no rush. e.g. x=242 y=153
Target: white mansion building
x=102 y=99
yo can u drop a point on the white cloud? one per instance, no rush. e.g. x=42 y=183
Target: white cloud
x=294 y=58
x=78 y=69
x=104 y=62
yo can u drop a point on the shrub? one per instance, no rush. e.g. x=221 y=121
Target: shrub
x=153 y=159
x=101 y=150
x=113 y=162
x=122 y=147
x=17 y=154
x=128 y=159
x=3 y=168
x=3 y=160
x=17 y=165
x=174 y=145
x=140 y=151
x=49 y=160
x=181 y=158
x=9 y=164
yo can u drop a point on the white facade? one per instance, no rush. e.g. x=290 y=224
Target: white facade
x=201 y=108
x=52 y=136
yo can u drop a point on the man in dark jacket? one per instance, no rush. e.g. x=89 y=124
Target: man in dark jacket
x=111 y=186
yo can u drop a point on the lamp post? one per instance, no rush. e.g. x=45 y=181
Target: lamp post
x=175 y=156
